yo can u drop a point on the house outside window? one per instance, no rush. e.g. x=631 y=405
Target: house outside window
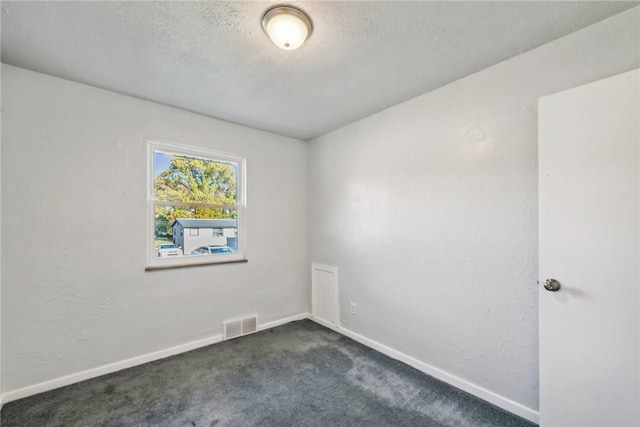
x=196 y=204
x=211 y=232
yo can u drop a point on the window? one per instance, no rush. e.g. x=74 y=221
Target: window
x=192 y=189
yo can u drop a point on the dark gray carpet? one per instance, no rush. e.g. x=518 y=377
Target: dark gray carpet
x=299 y=374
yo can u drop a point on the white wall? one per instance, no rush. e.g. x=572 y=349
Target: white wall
x=1 y=400
x=74 y=171
x=429 y=209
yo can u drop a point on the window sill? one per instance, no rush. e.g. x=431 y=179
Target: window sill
x=200 y=264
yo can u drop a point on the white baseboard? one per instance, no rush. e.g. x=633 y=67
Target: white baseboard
x=478 y=391
x=324 y=323
x=284 y=321
x=128 y=363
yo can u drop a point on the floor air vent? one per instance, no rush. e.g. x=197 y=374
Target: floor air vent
x=236 y=328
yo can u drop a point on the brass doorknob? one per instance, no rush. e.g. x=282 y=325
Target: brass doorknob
x=552 y=285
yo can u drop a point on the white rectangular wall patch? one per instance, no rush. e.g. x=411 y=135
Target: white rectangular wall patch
x=324 y=293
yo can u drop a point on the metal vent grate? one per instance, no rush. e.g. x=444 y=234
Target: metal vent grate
x=249 y=325
x=239 y=327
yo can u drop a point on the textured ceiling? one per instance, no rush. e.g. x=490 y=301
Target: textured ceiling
x=213 y=58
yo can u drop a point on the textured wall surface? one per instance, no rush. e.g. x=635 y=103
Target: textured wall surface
x=0 y=255
x=74 y=176
x=429 y=209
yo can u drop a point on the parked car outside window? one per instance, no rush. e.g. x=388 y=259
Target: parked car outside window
x=168 y=250
x=212 y=250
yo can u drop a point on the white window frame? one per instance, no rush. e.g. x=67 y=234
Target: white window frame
x=156 y=263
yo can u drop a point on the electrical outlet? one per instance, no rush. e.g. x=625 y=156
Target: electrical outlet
x=354 y=309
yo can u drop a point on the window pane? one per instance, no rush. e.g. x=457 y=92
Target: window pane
x=196 y=206
x=195 y=231
x=189 y=179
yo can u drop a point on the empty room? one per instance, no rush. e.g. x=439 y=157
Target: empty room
x=320 y=213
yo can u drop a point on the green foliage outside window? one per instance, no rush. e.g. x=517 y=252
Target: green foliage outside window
x=191 y=180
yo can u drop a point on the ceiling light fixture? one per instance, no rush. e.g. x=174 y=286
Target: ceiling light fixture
x=287 y=26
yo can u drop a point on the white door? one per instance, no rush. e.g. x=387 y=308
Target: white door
x=589 y=187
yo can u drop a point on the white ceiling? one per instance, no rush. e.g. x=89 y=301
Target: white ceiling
x=213 y=58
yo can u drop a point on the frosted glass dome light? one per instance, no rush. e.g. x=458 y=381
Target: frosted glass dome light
x=287 y=27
